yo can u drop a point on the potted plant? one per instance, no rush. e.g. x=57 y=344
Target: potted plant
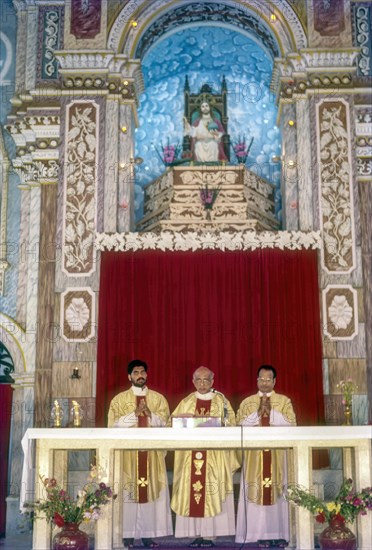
x=60 y=509
x=347 y=505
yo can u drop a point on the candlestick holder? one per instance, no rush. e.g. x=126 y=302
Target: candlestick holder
x=57 y=414
x=77 y=414
x=75 y=374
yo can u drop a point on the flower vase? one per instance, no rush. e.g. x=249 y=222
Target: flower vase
x=71 y=538
x=348 y=415
x=208 y=214
x=337 y=536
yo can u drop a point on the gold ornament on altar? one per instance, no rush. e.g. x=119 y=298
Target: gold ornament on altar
x=77 y=414
x=348 y=387
x=57 y=414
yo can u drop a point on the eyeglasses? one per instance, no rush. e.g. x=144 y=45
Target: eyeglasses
x=204 y=380
x=265 y=379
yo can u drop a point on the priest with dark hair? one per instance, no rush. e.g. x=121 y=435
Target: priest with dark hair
x=146 y=510
x=262 y=511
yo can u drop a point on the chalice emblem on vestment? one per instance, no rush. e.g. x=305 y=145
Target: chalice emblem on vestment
x=198 y=463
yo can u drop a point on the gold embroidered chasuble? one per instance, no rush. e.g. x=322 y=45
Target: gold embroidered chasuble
x=257 y=479
x=217 y=467
x=121 y=414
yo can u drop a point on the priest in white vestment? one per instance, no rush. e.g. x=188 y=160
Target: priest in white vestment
x=146 y=509
x=262 y=510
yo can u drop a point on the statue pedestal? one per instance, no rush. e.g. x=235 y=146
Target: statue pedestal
x=244 y=201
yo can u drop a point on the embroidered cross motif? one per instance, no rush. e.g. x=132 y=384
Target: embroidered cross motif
x=142 y=482
x=267 y=482
x=201 y=412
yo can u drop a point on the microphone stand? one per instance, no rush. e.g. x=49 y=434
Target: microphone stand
x=225 y=412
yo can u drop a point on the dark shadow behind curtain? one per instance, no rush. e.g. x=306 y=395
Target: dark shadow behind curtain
x=228 y=311
x=6 y=395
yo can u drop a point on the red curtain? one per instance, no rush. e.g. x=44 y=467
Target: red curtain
x=6 y=394
x=229 y=311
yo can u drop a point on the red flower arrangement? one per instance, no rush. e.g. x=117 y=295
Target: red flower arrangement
x=60 y=508
x=347 y=505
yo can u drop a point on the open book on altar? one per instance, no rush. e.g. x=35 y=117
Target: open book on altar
x=189 y=421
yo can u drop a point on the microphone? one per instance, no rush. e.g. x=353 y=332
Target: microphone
x=213 y=390
x=225 y=413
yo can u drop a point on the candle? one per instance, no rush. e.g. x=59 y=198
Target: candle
x=76 y=413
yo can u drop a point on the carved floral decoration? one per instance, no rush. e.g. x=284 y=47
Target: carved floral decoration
x=80 y=183
x=239 y=240
x=78 y=314
x=340 y=312
x=335 y=188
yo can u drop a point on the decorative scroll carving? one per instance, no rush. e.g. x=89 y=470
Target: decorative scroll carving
x=208 y=177
x=36 y=172
x=51 y=38
x=363 y=131
x=37 y=141
x=80 y=181
x=240 y=240
x=335 y=186
x=78 y=314
x=364 y=167
x=340 y=312
x=362 y=17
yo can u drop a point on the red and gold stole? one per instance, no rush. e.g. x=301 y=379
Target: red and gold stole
x=266 y=469
x=198 y=468
x=142 y=463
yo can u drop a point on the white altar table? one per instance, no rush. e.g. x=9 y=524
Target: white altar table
x=105 y=441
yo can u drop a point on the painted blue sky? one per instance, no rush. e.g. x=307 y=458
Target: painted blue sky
x=205 y=54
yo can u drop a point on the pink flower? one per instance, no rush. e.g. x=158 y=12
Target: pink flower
x=239 y=147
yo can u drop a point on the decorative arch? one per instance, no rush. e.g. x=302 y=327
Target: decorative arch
x=160 y=17
x=13 y=337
